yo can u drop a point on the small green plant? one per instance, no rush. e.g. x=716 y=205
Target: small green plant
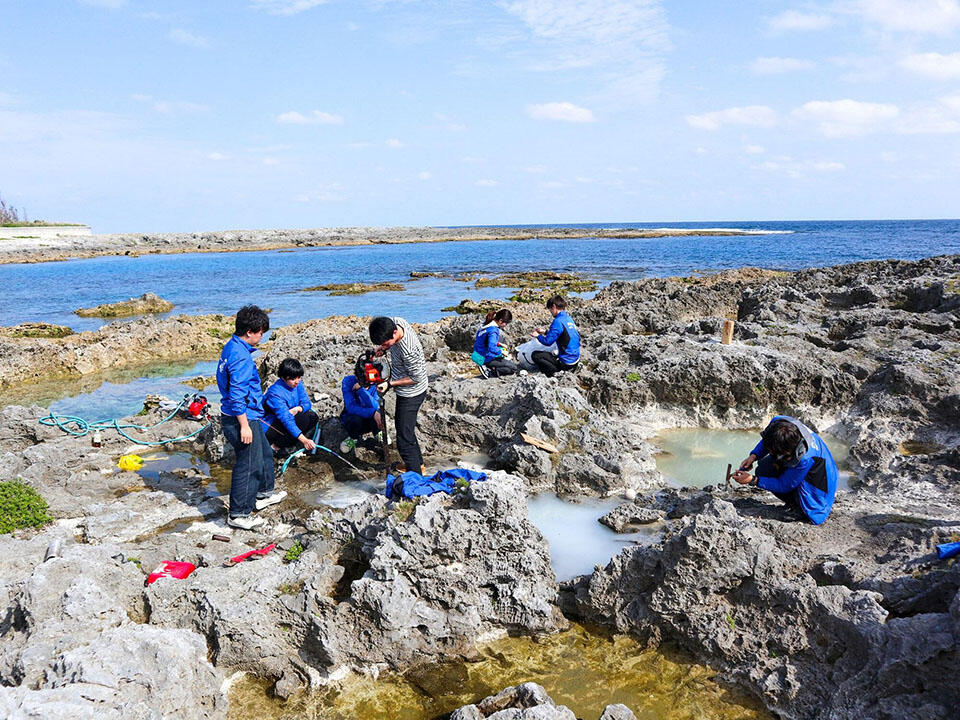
x=294 y=552
x=634 y=377
x=291 y=588
x=403 y=510
x=136 y=561
x=21 y=507
x=731 y=621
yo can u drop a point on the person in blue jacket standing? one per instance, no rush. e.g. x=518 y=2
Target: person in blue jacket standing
x=795 y=464
x=241 y=408
x=487 y=348
x=564 y=333
x=288 y=419
x=361 y=411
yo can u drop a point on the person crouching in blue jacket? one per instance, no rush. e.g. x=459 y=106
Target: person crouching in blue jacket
x=361 y=412
x=487 y=348
x=564 y=333
x=241 y=408
x=795 y=465
x=288 y=419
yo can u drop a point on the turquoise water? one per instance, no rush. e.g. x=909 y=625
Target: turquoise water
x=221 y=282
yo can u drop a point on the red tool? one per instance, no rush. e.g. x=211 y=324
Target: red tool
x=250 y=553
x=198 y=408
x=171 y=568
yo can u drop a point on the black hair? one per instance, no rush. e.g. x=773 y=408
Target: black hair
x=381 y=330
x=290 y=369
x=557 y=302
x=503 y=315
x=782 y=439
x=250 y=318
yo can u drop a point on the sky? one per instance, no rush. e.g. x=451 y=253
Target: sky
x=179 y=115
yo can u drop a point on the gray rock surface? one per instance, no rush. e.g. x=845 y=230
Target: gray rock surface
x=529 y=701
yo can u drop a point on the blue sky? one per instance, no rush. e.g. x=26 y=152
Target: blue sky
x=177 y=115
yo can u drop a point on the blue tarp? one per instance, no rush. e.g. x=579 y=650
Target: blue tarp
x=948 y=550
x=413 y=484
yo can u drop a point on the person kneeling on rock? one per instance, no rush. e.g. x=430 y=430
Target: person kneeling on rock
x=795 y=465
x=361 y=412
x=288 y=419
x=487 y=348
x=564 y=333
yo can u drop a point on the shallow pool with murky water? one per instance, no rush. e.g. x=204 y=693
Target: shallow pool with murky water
x=584 y=669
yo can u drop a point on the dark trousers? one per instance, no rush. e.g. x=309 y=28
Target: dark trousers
x=549 y=364
x=306 y=421
x=767 y=467
x=500 y=366
x=253 y=469
x=357 y=426
x=406 y=424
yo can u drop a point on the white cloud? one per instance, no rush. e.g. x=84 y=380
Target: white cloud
x=424 y=175
x=934 y=65
x=317 y=117
x=793 y=20
x=486 y=183
x=622 y=39
x=330 y=193
x=785 y=165
x=217 y=156
x=754 y=150
x=285 y=7
x=779 y=65
x=270 y=161
x=935 y=17
x=172 y=107
x=449 y=123
x=939 y=117
x=564 y=111
x=182 y=37
x=846 y=118
x=751 y=115
x=394 y=143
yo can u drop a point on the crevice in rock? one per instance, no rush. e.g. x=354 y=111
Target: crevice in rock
x=354 y=563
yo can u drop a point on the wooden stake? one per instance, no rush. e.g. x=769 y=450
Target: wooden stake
x=727 y=335
x=729 y=473
x=537 y=442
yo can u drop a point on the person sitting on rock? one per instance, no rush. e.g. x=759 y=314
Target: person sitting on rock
x=241 y=408
x=288 y=419
x=361 y=412
x=795 y=465
x=487 y=348
x=564 y=333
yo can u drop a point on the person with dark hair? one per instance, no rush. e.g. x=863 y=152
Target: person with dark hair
x=795 y=465
x=241 y=408
x=288 y=418
x=563 y=331
x=487 y=348
x=361 y=412
x=408 y=377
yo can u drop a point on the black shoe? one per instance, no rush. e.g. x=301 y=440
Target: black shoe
x=484 y=371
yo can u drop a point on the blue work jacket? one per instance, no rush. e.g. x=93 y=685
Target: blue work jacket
x=564 y=333
x=239 y=381
x=363 y=402
x=277 y=402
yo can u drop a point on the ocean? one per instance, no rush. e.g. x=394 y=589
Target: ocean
x=221 y=282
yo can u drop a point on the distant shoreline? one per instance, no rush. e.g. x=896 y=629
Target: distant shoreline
x=33 y=250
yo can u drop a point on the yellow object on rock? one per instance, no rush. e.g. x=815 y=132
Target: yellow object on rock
x=130 y=462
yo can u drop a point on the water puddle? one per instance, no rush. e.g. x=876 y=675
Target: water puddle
x=697 y=457
x=216 y=478
x=342 y=493
x=577 y=541
x=581 y=668
x=114 y=394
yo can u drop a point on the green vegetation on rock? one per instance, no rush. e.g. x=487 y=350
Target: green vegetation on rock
x=294 y=552
x=355 y=288
x=21 y=507
x=146 y=303
x=35 y=330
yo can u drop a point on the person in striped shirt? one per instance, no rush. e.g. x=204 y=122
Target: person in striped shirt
x=408 y=378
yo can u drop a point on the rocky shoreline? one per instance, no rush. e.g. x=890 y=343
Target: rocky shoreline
x=852 y=619
x=30 y=250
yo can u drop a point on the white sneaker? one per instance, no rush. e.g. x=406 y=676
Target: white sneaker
x=271 y=499
x=523 y=373
x=245 y=522
x=348 y=445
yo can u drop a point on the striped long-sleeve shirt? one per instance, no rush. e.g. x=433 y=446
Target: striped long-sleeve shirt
x=407 y=360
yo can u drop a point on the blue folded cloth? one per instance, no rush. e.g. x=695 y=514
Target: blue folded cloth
x=412 y=484
x=948 y=550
